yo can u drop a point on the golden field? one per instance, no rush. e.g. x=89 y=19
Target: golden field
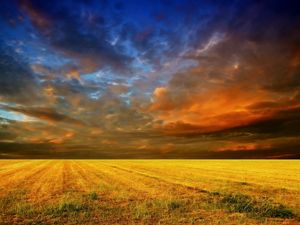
x=149 y=192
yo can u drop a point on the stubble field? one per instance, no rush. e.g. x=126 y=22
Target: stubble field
x=149 y=192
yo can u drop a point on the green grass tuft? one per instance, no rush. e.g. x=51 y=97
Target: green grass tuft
x=65 y=208
x=93 y=196
x=238 y=203
x=141 y=212
x=23 y=209
x=276 y=211
x=245 y=204
x=172 y=205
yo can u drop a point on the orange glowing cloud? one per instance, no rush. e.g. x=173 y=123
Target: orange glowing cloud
x=243 y=147
x=212 y=110
x=228 y=88
x=73 y=74
x=214 y=107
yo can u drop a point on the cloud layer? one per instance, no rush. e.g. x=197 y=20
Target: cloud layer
x=163 y=79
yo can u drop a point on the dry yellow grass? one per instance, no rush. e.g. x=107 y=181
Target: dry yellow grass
x=149 y=191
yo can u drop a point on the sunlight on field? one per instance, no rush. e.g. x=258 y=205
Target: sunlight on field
x=150 y=191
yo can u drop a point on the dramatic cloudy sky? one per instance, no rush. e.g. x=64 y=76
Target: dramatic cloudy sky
x=149 y=79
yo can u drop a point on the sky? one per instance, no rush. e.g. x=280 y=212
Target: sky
x=149 y=79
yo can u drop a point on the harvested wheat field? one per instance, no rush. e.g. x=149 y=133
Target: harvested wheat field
x=150 y=192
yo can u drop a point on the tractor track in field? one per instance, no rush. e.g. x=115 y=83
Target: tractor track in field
x=115 y=180
x=7 y=172
x=30 y=176
x=86 y=178
x=35 y=174
x=43 y=188
x=164 y=182
x=7 y=164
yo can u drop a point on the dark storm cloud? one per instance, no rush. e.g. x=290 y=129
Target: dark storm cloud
x=6 y=135
x=16 y=81
x=97 y=40
x=284 y=123
x=48 y=151
x=19 y=150
x=79 y=34
x=286 y=151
